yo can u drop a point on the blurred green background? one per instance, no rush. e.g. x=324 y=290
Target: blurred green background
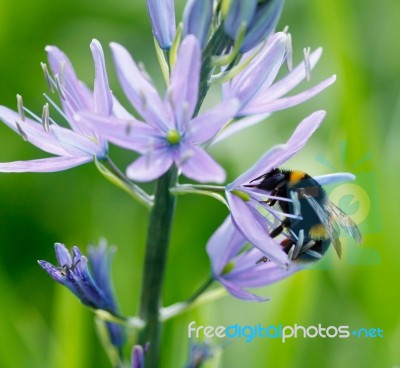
x=43 y=325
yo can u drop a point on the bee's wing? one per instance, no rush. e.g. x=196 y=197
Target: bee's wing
x=325 y=218
x=344 y=221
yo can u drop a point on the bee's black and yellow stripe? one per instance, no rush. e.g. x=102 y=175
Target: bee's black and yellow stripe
x=304 y=185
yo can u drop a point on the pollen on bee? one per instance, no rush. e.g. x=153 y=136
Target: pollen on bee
x=296 y=176
x=318 y=232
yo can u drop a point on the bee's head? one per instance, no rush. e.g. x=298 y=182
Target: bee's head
x=271 y=180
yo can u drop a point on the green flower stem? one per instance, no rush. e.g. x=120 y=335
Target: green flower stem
x=200 y=291
x=154 y=265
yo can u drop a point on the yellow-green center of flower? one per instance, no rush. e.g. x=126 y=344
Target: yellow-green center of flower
x=228 y=268
x=242 y=195
x=173 y=136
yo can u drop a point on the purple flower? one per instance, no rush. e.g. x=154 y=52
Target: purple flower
x=172 y=136
x=255 y=88
x=236 y=270
x=197 y=18
x=250 y=213
x=162 y=17
x=91 y=285
x=74 y=146
x=259 y=17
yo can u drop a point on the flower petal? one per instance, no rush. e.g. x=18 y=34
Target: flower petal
x=184 y=83
x=77 y=98
x=254 y=231
x=77 y=144
x=52 y=164
x=197 y=164
x=63 y=256
x=151 y=165
x=205 y=126
x=223 y=245
x=291 y=80
x=35 y=134
x=127 y=133
x=249 y=274
x=140 y=92
x=334 y=178
x=259 y=106
x=261 y=71
x=240 y=293
x=281 y=153
x=102 y=96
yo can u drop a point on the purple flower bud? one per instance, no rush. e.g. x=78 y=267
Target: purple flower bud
x=162 y=17
x=259 y=17
x=197 y=18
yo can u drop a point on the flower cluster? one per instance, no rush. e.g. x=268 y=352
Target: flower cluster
x=231 y=46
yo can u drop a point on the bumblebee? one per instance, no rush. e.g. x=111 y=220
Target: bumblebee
x=308 y=236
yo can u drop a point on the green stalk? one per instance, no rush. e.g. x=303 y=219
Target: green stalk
x=154 y=265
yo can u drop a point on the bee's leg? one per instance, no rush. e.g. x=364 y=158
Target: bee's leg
x=274 y=233
x=285 y=223
x=271 y=202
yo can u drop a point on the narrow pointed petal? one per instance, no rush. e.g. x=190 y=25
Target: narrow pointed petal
x=205 y=126
x=197 y=18
x=139 y=91
x=150 y=166
x=88 y=285
x=223 y=245
x=131 y=134
x=261 y=71
x=334 y=178
x=280 y=154
x=120 y=112
x=162 y=16
x=184 y=83
x=52 y=164
x=198 y=165
x=255 y=232
x=102 y=96
x=262 y=274
x=62 y=254
x=240 y=293
x=77 y=144
x=77 y=98
x=290 y=81
x=34 y=132
x=59 y=276
x=258 y=106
